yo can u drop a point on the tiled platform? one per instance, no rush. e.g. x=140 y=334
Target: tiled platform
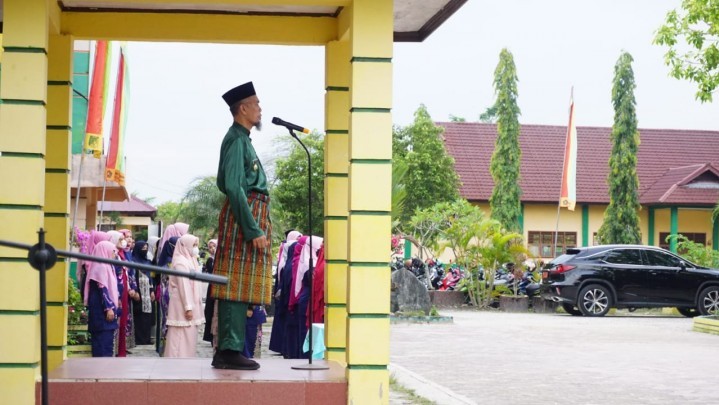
x=192 y=381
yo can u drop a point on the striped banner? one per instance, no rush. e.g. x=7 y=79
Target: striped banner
x=115 y=166
x=98 y=98
x=568 y=196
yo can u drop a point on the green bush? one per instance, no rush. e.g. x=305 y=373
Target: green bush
x=76 y=310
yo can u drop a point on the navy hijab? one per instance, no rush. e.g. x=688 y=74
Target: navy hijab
x=167 y=251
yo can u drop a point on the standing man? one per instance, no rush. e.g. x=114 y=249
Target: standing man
x=243 y=249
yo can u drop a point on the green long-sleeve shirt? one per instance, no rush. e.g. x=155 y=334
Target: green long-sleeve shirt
x=239 y=173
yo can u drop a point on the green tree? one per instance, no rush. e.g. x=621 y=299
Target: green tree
x=479 y=244
x=168 y=212
x=454 y=118
x=201 y=206
x=289 y=194
x=621 y=218
x=692 y=36
x=505 y=201
x=399 y=191
x=430 y=177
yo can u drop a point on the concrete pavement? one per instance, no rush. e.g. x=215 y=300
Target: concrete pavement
x=503 y=358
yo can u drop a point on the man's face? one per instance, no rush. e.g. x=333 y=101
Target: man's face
x=252 y=111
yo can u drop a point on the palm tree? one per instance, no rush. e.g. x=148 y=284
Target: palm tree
x=200 y=207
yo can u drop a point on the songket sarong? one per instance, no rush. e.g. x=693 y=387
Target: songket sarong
x=249 y=270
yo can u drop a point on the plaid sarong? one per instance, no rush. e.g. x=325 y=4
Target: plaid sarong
x=248 y=270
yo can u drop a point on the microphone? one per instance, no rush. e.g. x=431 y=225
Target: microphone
x=289 y=125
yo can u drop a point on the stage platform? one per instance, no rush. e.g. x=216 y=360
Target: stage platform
x=159 y=381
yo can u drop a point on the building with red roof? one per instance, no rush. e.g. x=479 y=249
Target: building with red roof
x=678 y=181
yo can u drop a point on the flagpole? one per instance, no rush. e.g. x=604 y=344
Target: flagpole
x=79 y=170
x=104 y=187
x=77 y=193
x=564 y=162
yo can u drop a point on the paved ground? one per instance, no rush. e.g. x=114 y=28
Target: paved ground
x=501 y=358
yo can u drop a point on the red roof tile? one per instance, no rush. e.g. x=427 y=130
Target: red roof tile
x=472 y=144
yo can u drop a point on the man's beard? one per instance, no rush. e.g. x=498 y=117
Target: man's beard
x=258 y=125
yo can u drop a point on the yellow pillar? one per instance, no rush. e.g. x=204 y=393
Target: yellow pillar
x=57 y=188
x=23 y=96
x=370 y=178
x=337 y=75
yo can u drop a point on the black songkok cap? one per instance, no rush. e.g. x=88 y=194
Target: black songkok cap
x=239 y=93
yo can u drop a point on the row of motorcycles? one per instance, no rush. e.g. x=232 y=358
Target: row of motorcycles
x=431 y=274
x=434 y=277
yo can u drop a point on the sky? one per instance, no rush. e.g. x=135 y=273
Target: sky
x=177 y=118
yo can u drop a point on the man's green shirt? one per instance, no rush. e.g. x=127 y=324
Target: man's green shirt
x=239 y=173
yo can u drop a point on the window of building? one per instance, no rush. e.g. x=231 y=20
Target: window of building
x=540 y=243
x=700 y=238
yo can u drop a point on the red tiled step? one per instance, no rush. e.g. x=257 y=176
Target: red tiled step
x=192 y=381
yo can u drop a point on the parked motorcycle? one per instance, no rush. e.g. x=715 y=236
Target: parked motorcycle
x=450 y=281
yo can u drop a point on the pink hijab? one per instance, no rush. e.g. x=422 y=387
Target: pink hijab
x=301 y=263
x=183 y=253
x=103 y=273
x=177 y=229
x=95 y=238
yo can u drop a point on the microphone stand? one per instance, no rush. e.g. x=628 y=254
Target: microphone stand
x=43 y=256
x=309 y=366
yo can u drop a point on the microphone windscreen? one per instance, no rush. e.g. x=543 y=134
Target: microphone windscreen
x=276 y=121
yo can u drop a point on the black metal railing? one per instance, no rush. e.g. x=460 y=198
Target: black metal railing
x=43 y=256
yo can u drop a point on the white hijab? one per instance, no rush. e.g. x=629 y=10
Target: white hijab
x=304 y=263
x=291 y=238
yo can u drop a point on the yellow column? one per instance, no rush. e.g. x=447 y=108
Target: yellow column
x=23 y=95
x=57 y=189
x=370 y=178
x=337 y=73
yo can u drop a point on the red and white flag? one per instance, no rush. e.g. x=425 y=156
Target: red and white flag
x=568 y=196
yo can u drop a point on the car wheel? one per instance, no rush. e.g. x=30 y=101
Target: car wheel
x=709 y=301
x=594 y=300
x=688 y=312
x=571 y=310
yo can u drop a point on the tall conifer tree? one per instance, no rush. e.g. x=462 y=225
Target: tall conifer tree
x=505 y=201
x=621 y=218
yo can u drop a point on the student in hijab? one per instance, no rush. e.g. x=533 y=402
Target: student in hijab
x=165 y=259
x=130 y=243
x=280 y=315
x=142 y=310
x=318 y=290
x=95 y=238
x=296 y=325
x=185 y=311
x=290 y=332
x=209 y=301
x=256 y=316
x=177 y=229
x=101 y=298
x=127 y=290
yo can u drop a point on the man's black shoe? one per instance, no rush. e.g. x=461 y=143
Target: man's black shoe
x=232 y=360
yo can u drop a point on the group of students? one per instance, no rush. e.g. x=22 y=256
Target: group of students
x=124 y=303
x=292 y=294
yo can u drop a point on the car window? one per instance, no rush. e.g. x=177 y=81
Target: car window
x=657 y=258
x=624 y=256
x=559 y=260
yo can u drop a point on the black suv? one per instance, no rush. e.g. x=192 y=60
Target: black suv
x=589 y=281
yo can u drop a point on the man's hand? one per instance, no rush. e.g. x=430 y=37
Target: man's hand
x=188 y=315
x=109 y=315
x=260 y=242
